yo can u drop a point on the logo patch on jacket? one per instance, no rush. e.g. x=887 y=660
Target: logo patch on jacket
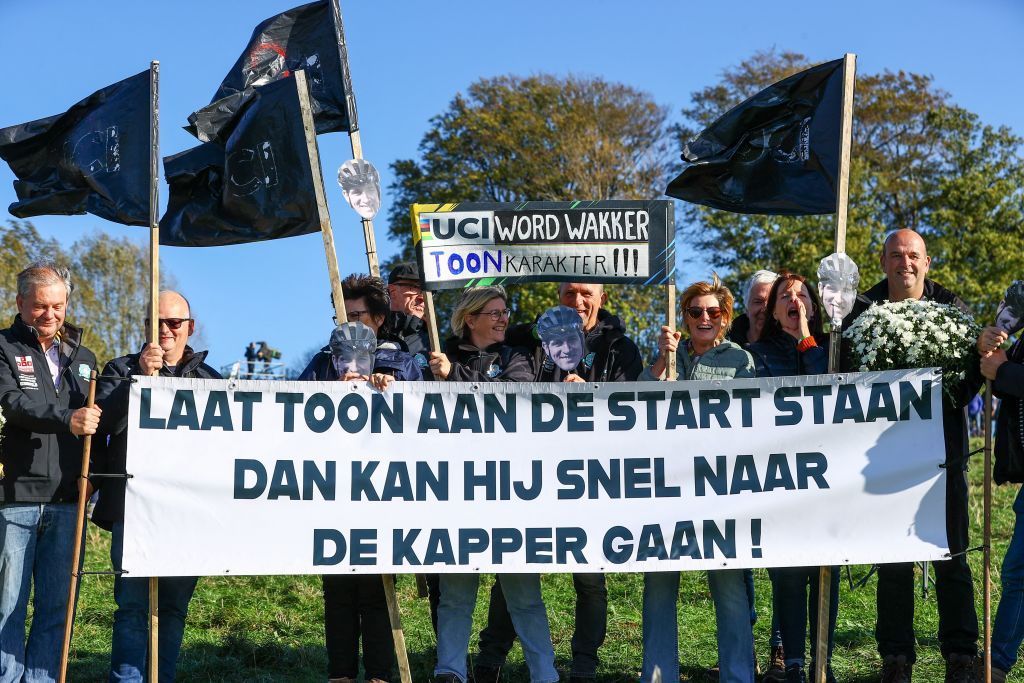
x=84 y=370
x=493 y=370
x=588 y=362
x=24 y=364
x=421 y=361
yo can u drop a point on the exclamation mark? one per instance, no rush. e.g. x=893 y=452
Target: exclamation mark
x=636 y=261
x=755 y=538
x=615 y=260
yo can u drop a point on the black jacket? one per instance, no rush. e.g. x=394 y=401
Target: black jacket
x=777 y=356
x=413 y=333
x=954 y=411
x=1009 y=386
x=739 y=332
x=42 y=459
x=610 y=356
x=496 y=363
x=110 y=450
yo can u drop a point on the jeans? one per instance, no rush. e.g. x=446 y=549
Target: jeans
x=588 y=634
x=790 y=586
x=130 y=646
x=354 y=606
x=525 y=606
x=36 y=545
x=954 y=590
x=1008 y=632
x=732 y=614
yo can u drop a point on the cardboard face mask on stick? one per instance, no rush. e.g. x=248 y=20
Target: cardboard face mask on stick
x=352 y=348
x=1010 y=314
x=561 y=336
x=360 y=185
x=838 y=277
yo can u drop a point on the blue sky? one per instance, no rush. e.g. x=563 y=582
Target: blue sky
x=410 y=58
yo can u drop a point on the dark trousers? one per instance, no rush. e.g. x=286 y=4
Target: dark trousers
x=795 y=591
x=954 y=590
x=591 y=624
x=354 y=606
x=433 y=597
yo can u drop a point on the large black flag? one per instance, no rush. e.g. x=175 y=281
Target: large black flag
x=257 y=186
x=92 y=158
x=301 y=38
x=776 y=153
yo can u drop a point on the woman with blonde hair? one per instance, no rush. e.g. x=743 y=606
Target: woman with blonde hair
x=706 y=355
x=478 y=353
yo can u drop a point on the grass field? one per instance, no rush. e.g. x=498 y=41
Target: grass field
x=271 y=628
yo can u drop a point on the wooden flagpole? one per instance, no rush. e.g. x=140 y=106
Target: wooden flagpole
x=987 y=567
x=334 y=273
x=353 y=134
x=842 y=201
x=154 y=317
x=76 y=555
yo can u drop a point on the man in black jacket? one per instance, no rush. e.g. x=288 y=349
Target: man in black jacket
x=44 y=379
x=905 y=262
x=172 y=357
x=611 y=356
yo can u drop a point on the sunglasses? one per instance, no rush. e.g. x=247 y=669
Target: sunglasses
x=697 y=312
x=172 y=323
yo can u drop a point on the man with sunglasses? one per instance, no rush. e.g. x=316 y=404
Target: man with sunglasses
x=172 y=357
x=407 y=308
x=609 y=356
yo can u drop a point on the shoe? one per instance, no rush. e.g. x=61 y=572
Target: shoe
x=961 y=669
x=998 y=675
x=341 y=680
x=714 y=671
x=776 y=672
x=795 y=674
x=896 y=669
x=486 y=674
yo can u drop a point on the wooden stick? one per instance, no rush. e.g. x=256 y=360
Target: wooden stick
x=670 y=315
x=79 y=542
x=842 y=199
x=401 y=652
x=988 y=532
x=333 y=271
x=154 y=316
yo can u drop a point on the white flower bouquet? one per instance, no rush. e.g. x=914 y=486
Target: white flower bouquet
x=914 y=334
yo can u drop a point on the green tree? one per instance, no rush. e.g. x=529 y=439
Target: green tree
x=111 y=278
x=542 y=137
x=918 y=161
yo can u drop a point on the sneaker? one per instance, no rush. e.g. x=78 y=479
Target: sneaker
x=896 y=669
x=961 y=669
x=795 y=674
x=486 y=674
x=776 y=672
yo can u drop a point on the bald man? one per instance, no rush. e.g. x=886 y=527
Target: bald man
x=905 y=262
x=172 y=357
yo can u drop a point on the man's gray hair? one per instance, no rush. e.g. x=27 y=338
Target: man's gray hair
x=43 y=273
x=761 y=277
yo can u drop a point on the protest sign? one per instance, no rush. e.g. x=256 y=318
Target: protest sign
x=254 y=477
x=479 y=243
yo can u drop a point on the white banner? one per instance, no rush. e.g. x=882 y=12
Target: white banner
x=259 y=477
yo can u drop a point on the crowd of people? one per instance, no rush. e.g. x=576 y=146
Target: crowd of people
x=44 y=374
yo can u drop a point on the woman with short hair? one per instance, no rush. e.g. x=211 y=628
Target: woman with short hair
x=478 y=353
x=706 y=355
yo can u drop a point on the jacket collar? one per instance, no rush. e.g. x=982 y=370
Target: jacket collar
x=68 y=335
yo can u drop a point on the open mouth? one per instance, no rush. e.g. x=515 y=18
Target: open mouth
x=706 y=327
x=793 y=313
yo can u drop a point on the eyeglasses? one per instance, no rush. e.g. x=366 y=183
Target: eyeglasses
x=355 y=316
x=172 y=323
x=697 y=312
x=496 y=314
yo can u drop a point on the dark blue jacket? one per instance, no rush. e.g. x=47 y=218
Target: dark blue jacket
x=399 y=364
x=777 y=356
x=109 y=455
x=42 y=459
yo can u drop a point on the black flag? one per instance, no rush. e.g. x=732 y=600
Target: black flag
x=776 y=153
x=92 y=158
x=258 y=186
x=301 y=38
